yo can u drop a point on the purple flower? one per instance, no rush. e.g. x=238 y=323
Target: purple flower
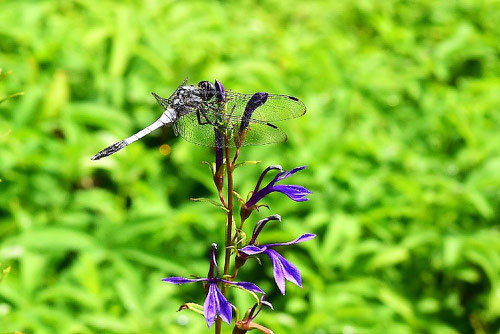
x=219 y=155
x=282 y=269
x=221 y=92
x=247 y=323
x=215 y=303
x=296 y=193
x=255 y=101
x=219 y=140
x=255 y=310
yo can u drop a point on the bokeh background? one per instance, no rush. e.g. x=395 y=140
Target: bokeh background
x=401 y=140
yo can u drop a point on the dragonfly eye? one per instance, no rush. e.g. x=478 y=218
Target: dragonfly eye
x=207 y=88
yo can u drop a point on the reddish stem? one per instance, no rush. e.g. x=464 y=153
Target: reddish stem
x=229 y=228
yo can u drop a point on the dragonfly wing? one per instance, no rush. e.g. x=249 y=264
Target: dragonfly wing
x=276 y=108
x=191 y=130
x=256 y=133
x=260 y=133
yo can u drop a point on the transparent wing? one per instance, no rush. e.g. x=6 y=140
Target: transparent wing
x=257 y=133
x=276 y=108
x=190 y=129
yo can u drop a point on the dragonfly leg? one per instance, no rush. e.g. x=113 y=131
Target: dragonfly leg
x=232 y=110
x=200 y=113
x=216 y=111
x=198 y=117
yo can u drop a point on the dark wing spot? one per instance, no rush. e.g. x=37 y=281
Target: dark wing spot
x=272 y=125
x=293 y=98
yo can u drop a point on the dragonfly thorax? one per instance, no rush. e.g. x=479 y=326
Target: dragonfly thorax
x=187 y=99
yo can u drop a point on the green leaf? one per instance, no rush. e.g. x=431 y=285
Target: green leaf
x=144 y=258
x=388 y=256
x=192 y=307
x=398 y=304
x=55 y=239
x=211 y=166
x=244 y=163
x=211 y=201
x=10 y=96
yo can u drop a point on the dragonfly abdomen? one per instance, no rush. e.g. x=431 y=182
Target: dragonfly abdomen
x=167 y=117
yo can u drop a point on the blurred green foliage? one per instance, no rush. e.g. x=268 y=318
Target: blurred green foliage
x=402 y=140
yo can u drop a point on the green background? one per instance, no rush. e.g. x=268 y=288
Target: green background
x=401 y=140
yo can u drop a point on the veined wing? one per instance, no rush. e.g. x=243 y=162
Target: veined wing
x=276 y=108
x=257 y=133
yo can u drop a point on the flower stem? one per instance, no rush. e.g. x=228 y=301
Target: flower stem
x=218 y=325
x=236 y=155
x=229 y=228
x=230 y=168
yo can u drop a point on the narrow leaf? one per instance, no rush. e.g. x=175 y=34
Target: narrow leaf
x=11 y=96
x=211 y=201
x=243 y=163
x=192 y=307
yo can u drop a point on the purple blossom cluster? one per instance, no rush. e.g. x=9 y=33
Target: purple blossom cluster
x=215 y=303
x=215 y=284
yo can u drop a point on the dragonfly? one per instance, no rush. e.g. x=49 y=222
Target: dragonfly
x=206 y=114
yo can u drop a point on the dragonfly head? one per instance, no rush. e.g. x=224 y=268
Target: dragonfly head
x=207 y=89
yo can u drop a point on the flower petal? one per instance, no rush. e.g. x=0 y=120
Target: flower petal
x=292 y=273
x=268 y=304
x=296 y=193
x=260 y=225
x=251 y=250
x=278 y=270
x=210 y=305
x=291 y=172
x=213 y=270
x=182 y=280
x=224 y=308
x=216 y=303
x=245 y=285
x=272 y=167
x=255 y=101
x=283 y=270
x=257 y=196
x=220 y=90
x=302 y=238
